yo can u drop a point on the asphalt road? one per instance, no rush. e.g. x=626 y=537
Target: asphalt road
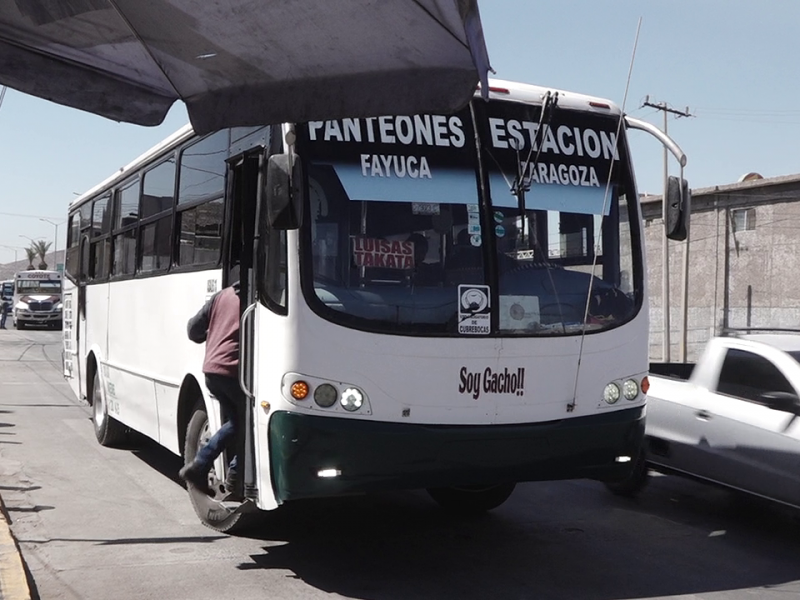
x=96 y=523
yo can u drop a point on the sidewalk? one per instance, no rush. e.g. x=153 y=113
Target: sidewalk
x=13 y=582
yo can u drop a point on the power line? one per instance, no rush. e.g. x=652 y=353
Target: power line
x=7 y=214
x=749 y=111
x=666 y=108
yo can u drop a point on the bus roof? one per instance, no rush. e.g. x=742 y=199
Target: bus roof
x=499 y=89
x=38 y=274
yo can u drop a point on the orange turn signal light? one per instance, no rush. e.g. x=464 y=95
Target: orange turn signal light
x=299 y=390
x=645 y=385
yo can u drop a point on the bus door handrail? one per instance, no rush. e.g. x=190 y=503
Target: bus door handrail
x=245 y=350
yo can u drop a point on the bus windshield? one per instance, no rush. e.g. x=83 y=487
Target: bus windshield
x=566 y=249
x=402 y=239
x=38 y=286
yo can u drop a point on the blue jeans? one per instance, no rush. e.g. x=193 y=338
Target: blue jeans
x=232 y=400
x=3 y=317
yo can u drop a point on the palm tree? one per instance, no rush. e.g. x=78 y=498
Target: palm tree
x=31 y=252
x=41 y=247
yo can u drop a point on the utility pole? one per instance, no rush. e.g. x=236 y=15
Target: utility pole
x=15 y=249
x=665 y=349
x=55 y=241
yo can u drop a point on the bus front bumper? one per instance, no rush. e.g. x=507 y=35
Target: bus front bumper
x=313 y=456
x=34 y=317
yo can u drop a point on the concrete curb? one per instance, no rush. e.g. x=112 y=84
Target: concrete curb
x=13 y=581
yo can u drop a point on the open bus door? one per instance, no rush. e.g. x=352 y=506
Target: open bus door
x=239 y=242
x=248 y=212
x=266 y=202
x=250 y=229
x=240 y=250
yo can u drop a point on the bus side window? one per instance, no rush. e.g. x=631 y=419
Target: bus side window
x=272 y=266
x=73 y=248
x=85 y=260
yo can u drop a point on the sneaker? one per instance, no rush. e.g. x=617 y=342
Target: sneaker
x=197 y=478
x=230 y=483
x=232 y=496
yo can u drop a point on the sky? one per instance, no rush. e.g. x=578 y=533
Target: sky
x=731 y=63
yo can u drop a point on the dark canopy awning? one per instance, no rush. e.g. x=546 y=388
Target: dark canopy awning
x=244 y=62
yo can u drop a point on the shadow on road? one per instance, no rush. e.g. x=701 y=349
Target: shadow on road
x=157 y=457
x=402 y=546
x=550 y=540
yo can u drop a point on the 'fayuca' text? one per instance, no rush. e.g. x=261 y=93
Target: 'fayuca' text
x=382 y=165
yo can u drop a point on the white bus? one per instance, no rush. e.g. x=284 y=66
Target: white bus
x=37 y=299
x=452 y=303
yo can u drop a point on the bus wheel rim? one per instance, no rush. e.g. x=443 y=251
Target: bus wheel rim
x=99 y=406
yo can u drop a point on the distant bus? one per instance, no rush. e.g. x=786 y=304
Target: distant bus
x=7 y=289
x=37 y=299
x=454 y=303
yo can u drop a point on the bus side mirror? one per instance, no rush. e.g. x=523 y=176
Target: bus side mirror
x=284 y=191
x=679 y=199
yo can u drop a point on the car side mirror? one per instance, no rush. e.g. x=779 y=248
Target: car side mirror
x=284 y=191
x=678 y=199
x=782 y=401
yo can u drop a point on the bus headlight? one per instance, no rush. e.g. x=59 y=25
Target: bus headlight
x=325 y=395
x=300 y=388
x=611 y=393
x=630 y=389
x=352 y=399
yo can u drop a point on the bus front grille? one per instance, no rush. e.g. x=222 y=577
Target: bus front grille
x=40 y=306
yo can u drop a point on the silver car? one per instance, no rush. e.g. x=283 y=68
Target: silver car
x=731 y=419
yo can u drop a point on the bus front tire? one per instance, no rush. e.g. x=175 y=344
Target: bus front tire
x=213 y=512
x=633 y=484
x=470 y=500
x=108 y=431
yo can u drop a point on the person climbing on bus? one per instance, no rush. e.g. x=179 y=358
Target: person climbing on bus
x=217 y=324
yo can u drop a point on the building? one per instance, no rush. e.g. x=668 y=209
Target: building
x=743 y=264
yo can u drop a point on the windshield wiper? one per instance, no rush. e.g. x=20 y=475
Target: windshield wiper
x=520 y=186
x=523 y=180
